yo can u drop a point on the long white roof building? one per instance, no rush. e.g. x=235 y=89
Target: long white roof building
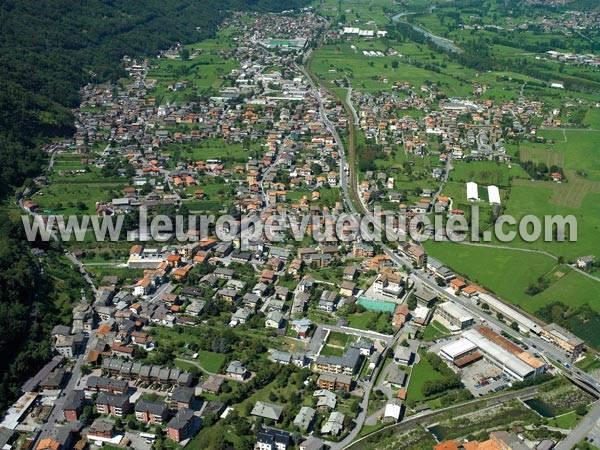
x=472 y=192
x=509 y=363
x=493 y=195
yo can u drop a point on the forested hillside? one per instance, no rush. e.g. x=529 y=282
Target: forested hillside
x=48 y=49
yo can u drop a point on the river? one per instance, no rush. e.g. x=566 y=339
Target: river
x=438 y=40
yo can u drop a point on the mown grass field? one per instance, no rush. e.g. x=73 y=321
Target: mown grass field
x=508 y=273
x=421 y=373
x=580 y=150
x=231 y=154
x=360 y=320
x=486 y=172
x=579 y=198
x=435 y=330
x=547 y=156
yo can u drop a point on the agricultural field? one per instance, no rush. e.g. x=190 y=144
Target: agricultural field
x=481 y=172
x=579 y=198
x=579 y=149
x=513 y=271
x=203 y=71
x=77 y=193
x=230 y=154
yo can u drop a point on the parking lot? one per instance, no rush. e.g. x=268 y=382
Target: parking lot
x=137 y=441
x=482 y=378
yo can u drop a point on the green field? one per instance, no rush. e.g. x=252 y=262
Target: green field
x=547 y=198
x=486 y=173
x=566 y=421
x=590 y=363
x=360 y=320
x=77 y=193
x=203 y=71
x=421 y=373
x=579 y=151
x=329 y=350
x=230 y=154
x=435 y=330
x=211 y=361
x=339 y=339
x=512 y=271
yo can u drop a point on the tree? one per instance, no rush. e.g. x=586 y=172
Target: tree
x=581 y=410
x=515 y=326
x=184 y=54
x=395 y=64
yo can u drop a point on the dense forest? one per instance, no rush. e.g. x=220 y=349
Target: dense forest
x=48 y=49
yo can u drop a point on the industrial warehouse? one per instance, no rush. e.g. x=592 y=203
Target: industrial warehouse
x=482 y=342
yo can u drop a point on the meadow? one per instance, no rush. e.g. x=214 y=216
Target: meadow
x=204 y=70
x=578 y=149
x=574 y=198
x=508 y=273
x=486 y=172
x=77 y=193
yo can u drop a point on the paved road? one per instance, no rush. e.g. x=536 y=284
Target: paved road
x=316 y=341
x=350 y=191
x=535 y=343
x=82 y=271
x=364 y=405
x=349 y=101
x=364 y=333
x=585 y=426
x=57 y=411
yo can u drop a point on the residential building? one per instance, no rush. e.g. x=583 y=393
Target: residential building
x=274 y=320
x=333 y=381
x=73 y=406
x=304 y=418
x=347 y=364
x=151 y=412
x=101 y=384
x=272 y=439
x=311 y=443
x=392 y=412
x=180 y=427
x=326 y=400
x=335 y=424
x=563 y=338
x=236 y=370
x=113 y=404
x=267 y=411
